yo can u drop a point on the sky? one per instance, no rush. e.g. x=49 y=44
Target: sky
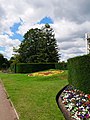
x=70 y=20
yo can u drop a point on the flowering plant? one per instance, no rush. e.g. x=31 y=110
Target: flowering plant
x=77 y=103
x=46 y=73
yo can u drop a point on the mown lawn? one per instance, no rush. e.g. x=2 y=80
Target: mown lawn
x=35 y=97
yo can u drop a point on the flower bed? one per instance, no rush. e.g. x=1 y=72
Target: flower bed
x=46 y=73
x=76 y=102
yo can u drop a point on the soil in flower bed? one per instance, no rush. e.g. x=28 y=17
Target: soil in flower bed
x=76 y=103
x=46 y=73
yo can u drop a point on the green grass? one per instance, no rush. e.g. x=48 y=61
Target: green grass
x=35 y=97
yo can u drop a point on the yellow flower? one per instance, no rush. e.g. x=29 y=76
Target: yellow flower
x=46 y=73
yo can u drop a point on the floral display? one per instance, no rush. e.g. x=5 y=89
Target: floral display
x=46 y=73
x=77 y=103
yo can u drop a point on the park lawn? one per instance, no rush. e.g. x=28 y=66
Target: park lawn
x=35 y=97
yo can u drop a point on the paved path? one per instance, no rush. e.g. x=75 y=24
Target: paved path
x=6 y=110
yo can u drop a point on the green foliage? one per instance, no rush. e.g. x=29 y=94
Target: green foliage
x=61 y=66
x=13 y=67
x=38 y=46
x=29 y=68
x=4 y=63
x=13 y=60
x=79 y=72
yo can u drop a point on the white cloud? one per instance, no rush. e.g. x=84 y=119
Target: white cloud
x=70 y=38
x=71 y=22
x=8 y=44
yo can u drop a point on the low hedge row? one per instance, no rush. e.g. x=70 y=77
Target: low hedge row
x=29 y=68
x=79 y=72
x=34 y=67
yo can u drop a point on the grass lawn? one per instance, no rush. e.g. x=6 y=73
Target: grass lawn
x=35 y=97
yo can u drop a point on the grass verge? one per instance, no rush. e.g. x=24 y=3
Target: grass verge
x=35 y=97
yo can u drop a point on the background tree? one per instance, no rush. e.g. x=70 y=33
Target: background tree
x=38 y=46
x=4 y=63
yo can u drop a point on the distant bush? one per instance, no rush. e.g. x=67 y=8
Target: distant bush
x=79 y=72
x=29 y=68
x=61 y=66
x=13 y=67
x=4 y=63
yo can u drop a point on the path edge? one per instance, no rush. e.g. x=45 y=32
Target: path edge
x=11 y=103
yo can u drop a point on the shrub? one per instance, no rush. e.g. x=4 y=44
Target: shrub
x=13 y=67
x=79 y=73
x=61 y=66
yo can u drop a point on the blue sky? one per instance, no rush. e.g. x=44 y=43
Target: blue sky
x=15 y=27
x=2 y=48
x=69 y=19
x=46 y=20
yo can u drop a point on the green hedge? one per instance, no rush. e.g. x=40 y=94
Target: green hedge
x=79 y=73
x=61 y=66
x=29 y=68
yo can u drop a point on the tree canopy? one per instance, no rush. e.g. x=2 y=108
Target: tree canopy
x=38 y=46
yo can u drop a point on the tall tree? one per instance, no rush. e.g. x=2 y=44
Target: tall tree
x=39 y=45
x=51 y=45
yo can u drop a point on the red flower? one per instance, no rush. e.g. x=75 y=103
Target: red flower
x=30 y=75
x=88 y=96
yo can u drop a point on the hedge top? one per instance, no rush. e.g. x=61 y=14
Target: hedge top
x=80 y=57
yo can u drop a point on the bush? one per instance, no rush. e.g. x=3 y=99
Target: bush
x=61 y=66
x=29 y=68
x=79 y=73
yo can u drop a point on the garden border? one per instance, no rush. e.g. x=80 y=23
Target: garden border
x=61 y=105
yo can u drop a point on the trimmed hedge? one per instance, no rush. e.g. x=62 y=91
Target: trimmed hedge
x=29 y=68
x=79 y=73
x=61 y=66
